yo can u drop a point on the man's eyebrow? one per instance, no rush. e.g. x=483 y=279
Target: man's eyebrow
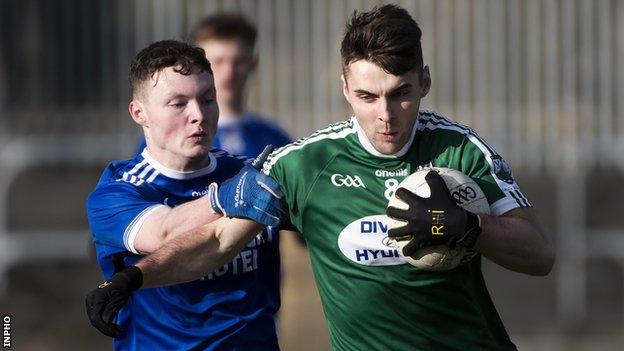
x=400 y=87
x=174 y=96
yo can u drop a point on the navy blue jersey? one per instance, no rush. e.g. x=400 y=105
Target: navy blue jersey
x=231 y=308
x=245 y=135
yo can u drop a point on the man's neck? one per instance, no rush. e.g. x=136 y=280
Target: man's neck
x=177 y=163
x=230 y=109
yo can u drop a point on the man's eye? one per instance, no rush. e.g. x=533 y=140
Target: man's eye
x=401 y=93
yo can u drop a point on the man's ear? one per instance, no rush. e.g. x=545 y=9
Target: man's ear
x=425 y=82
x=345 y=87
x=137 y=111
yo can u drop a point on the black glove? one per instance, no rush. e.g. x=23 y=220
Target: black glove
x=436 y=220
x=104 y=302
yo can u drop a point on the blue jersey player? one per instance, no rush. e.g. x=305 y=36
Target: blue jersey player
x=178 y=185
x=228 y=40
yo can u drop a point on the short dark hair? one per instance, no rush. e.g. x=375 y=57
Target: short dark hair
x=166 y=53
x=224 y=26
x=387 y=36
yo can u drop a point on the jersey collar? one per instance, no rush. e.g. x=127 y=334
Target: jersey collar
x=173 y=174
x=368 y=146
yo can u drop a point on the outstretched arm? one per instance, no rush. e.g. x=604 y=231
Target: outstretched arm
x=193 y=255
x=187 y=257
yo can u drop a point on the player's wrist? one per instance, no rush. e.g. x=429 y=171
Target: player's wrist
x=472 y=230
x=213 y=196
x=129 y=278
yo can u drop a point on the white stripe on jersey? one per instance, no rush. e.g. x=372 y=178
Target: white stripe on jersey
x=138 y=166
x=153 y=176
x=139 y=179
x=317 y=136
x=145 y=171
x=511 y=190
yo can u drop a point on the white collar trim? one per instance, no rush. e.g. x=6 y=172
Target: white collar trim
x=368 y=146
x=170 y=173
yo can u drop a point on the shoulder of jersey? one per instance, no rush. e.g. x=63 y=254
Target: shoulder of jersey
x=441 y=126
x=139 y=171
x=224 y=156
x=135 y=171
x=433 y=121
x=264 y=124
x=320 y=141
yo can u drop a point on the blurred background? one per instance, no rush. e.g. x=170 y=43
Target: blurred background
x=541 y=80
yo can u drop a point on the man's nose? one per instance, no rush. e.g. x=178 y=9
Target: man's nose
x=196 y=113
x=384 y=111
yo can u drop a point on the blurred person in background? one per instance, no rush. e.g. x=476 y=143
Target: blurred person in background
x=337 y=184
x=176 y=184
x=229 y=41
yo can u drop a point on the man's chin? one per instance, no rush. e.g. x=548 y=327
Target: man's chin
x=198 y=152
x=387 y=148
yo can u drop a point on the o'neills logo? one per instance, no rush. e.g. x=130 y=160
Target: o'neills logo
x=382 y=173
x=365 y=241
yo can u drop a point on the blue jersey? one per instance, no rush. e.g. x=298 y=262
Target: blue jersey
x=231 y=308
x=248 y=135
x=245 y=135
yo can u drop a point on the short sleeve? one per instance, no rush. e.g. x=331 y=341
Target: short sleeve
x=116 y=211
x=275 y=170
x=493 y=175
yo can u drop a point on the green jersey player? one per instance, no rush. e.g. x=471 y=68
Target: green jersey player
x=337 y=182
x=337 y=186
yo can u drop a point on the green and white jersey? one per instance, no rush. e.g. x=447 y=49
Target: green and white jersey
x=337 y=187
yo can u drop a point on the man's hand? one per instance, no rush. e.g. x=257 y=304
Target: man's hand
x=104 y=302
x=436 y=220
x=250 y=194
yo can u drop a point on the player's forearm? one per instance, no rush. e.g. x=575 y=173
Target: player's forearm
x=516 y=242
x=193 y=255
x=186 y=217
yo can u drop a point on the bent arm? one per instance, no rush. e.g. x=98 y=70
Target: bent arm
x=166 y=223
x=195 y=254
x=516 y=241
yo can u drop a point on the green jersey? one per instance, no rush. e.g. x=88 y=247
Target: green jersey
x=337 y=188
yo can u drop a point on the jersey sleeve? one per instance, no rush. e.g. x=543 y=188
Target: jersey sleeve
x=116 y=212
x=493 y=174
x=289 y=181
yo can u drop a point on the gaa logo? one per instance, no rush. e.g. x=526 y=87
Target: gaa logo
x=340 y=180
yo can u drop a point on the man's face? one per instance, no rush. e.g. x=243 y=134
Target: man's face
x=232 y=61
x=386 y=106
x=179 y=115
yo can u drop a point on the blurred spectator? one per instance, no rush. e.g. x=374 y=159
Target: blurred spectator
x=229 y=41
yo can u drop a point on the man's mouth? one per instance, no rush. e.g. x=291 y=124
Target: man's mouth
x=388 y=136
x=197 y=136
